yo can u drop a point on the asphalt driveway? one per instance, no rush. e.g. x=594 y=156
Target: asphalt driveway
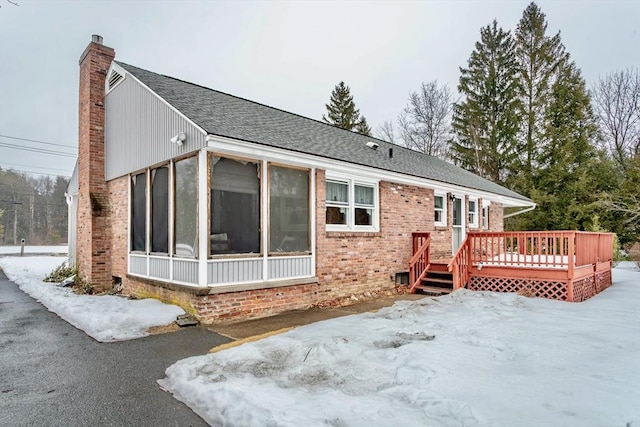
x=53 y=374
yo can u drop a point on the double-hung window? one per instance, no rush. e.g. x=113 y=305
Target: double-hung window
x=485 y=216
x=473 y=213
x=351 y=205
x=440 y=210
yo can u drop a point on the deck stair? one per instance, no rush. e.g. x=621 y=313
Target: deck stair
x=438 y=280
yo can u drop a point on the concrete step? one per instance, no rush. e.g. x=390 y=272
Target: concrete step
x=432 y=290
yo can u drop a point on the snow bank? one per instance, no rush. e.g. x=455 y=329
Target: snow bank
x=13 y=250
x=105 y=318
x=494 y=360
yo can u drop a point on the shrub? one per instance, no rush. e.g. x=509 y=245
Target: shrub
x=64 y=271
x=60 y=273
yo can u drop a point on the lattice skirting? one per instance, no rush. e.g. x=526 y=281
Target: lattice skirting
x=603 y=280
x=529 y=287
x=584 y=289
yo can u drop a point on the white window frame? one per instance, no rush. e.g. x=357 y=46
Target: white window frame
x=442 y=223
x=485 y=215
x=472 y=214
x=351 y=206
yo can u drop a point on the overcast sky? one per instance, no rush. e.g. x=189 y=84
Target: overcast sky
x=287 y=55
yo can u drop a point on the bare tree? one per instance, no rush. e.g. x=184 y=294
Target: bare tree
x=617 y=104
x=425 y=123
x=386 y=131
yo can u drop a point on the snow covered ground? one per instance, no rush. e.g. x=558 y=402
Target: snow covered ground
x=105 y=318
x=467 y=359
x=13 y=250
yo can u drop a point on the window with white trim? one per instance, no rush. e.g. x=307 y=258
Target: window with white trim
x=351 y=205
x=485 y=216
x=473 y=213
x=440 y=209
x=139 y=212
x=186 y=207
x=160 y=210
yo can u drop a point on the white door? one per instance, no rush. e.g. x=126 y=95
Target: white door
x=458 y=222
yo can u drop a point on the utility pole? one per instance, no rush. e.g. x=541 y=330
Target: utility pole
x=15 y=204
x=15 y=222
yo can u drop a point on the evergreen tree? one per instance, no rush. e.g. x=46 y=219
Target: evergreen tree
x=485 y=122
x=538 y=57
x=342 y=111
x=363 y=127
x=566 y=177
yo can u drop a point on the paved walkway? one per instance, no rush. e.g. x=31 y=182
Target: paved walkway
x=55 y=375
x=258 y=327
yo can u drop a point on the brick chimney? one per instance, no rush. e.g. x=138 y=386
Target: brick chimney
x=93 y=247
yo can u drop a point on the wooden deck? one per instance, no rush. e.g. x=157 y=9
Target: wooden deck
x=564 y=265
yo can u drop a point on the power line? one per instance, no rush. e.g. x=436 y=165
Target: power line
x=39 y=167
x=39 y=173
x=36 y=150
x=39 y=142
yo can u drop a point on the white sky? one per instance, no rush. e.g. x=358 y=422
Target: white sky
x=288 y=55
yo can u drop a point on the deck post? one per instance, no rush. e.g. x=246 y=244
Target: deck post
x=570 y=290
x=571 y=259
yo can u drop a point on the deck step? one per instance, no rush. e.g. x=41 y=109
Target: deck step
x=438 y=266
x=448 y=281
x=432 y=290
x=440 y=274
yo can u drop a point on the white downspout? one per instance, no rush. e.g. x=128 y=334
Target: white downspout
x=530 y=208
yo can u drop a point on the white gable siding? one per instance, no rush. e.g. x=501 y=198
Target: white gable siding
x=139 y=127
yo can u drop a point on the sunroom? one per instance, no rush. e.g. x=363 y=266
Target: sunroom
x=222 y=221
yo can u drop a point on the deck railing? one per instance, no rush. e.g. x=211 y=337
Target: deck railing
x=540 y=249
x=460 y=265
x=419 y=263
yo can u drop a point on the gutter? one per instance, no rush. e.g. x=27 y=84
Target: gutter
x=530 y=208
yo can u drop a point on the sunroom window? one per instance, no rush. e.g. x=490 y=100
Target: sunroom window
x=186 y=207
x=351 y=205
x=160 y=210
x=138 y=212
x=235 y=206
x=288 y=210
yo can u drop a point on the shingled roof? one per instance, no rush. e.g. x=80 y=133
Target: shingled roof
x=229 y=116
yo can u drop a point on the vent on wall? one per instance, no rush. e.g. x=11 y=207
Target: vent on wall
x=114 y=79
